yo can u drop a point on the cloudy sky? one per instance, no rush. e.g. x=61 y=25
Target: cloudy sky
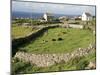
x=51 y=8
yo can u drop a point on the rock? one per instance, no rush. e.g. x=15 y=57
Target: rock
x=92 y=65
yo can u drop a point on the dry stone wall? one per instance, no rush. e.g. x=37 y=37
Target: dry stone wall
x=24 y=40
x=45 y=60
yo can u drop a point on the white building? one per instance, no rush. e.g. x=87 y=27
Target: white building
x=48 y=17
x=86 y=16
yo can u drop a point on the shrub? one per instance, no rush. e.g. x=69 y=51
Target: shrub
x=59 y=39
x=53 y=39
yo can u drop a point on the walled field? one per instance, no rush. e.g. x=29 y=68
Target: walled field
x=56 y=40
x=20 y=31
x=60 y=40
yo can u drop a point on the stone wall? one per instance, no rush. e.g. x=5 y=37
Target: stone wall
x=45 y=60
x=16 y=43
x=76 y=26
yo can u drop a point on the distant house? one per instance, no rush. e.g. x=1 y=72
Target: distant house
x=48 y=17
x=86 y=16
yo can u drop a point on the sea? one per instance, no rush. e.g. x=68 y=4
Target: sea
x=36 y=15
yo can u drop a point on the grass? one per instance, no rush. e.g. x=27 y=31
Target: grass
x=71 y=39
x=57 y=40
x=77 y=63
x=21 y=31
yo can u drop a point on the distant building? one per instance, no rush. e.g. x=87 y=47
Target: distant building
x=86 y=16
x=48 y=17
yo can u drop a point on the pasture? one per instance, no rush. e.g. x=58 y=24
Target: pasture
x=21 y=31
x=60 y=40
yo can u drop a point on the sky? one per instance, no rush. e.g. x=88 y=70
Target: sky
x=34 y=7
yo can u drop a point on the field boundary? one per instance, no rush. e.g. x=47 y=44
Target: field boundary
x=16 y=43
x=45 y=60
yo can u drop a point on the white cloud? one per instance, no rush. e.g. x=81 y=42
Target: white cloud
x=49 y=7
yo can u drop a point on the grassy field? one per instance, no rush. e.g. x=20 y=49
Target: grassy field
x=20 y=31
x=60 y=40
x=56 y=40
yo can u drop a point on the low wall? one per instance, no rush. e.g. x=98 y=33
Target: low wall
x=76 y=26
x=45 y=60
x=16 y=43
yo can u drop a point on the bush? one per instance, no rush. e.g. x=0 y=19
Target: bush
x=59 y=39
x=53 y=39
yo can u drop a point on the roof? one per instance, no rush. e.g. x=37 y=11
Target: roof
x=88 y=14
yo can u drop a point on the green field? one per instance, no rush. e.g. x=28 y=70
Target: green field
x=20 y=31
x=60 y=40
x=55 y=40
